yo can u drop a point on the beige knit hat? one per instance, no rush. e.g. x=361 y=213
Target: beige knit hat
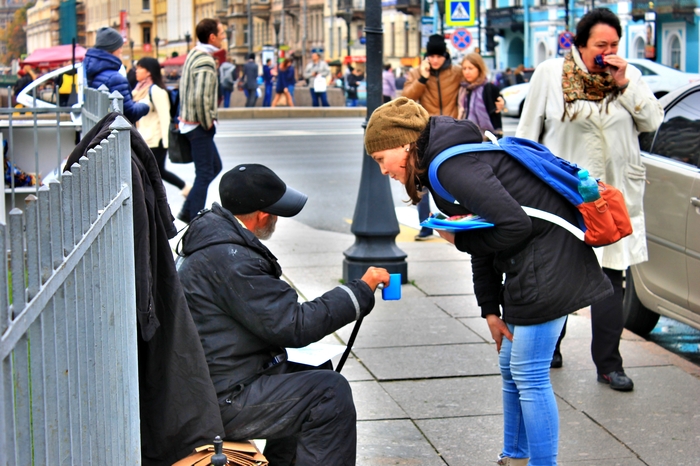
x=394 y=124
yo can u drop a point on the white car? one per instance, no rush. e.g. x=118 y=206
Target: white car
x=661 y=79
x=46 y=90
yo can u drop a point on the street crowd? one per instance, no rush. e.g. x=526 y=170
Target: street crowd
x=528 y=273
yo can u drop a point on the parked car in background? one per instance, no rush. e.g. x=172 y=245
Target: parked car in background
x=661 y=79
x=47 y=90
x=668 y=283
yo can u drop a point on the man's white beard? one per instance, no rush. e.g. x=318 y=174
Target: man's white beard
x=265 y=233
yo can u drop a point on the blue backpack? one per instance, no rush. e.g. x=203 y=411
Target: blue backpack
x=601 y=222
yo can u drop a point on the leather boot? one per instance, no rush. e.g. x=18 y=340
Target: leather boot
x=505 y=461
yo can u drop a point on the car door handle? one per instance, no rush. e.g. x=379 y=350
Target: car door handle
x=695 y=201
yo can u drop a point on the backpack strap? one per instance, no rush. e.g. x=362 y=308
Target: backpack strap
x=448 y=154
x=488 y=147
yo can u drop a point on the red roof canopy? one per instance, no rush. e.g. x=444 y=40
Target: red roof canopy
x=54 y=56
x=175 y=61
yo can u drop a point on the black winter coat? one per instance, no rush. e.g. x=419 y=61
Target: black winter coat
x=244 y=312
x=178 y=405
x=548 y=272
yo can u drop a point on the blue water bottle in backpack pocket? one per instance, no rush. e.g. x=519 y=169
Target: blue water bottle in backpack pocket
x=588 y=186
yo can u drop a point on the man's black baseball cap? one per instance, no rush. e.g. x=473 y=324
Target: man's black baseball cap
x=251 y=187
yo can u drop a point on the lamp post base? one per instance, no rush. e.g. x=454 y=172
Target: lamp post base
x=380 y=251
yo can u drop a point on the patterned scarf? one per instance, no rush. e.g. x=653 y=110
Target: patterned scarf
x=473 y=102
x=578 y=84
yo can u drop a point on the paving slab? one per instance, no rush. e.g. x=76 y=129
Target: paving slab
x=659 y=420
x=419 y=252
x=437 y=330
x=478 y=440
x=576 y=353
x=412 y=305
x=419 y=362
x=396 y=442
x=441 y=278
x=373 y=403
x=479 y=326
x=451 y=397
x=459 y=305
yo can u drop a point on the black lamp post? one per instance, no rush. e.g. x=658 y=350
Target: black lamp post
x=188 y=38
x=157 y=41
x=131 y=47
x=277 y=24
x=374 y=224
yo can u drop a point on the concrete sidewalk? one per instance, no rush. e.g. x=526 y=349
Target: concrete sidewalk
x=425 y=375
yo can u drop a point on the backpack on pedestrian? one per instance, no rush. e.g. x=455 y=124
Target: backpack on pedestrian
x=228 y=82
x=601 y=222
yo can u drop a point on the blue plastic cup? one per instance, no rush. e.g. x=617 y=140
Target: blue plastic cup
x=393 y=291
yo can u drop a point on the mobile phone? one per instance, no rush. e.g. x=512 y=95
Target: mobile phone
x=599 y=61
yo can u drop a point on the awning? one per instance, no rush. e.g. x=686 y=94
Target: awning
x=354 y=59
x=175 y=61
x=54 y=56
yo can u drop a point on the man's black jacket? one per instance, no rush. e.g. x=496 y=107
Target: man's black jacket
x=244 y=311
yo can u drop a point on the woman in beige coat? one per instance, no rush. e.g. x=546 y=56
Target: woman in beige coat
x=591 y=112
x=155 y=126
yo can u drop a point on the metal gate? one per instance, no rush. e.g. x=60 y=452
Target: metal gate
x=68 y=348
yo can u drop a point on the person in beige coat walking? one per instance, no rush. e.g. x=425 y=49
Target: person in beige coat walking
x=154 y=127
x=591 y=113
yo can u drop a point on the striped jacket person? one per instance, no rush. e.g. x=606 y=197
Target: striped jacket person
x=198 y=89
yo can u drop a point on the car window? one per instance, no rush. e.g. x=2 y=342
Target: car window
x=678 y=137
x=645 y=71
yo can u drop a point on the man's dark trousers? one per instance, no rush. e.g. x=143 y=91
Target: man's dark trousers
x=315 y=96
x=251 y=97
x=207 y=164
x=267 y=101
x=309 y=412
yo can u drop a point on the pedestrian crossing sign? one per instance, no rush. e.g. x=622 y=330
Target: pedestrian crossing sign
x=460 y=12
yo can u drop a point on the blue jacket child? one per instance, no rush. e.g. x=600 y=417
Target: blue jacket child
x=102 y=67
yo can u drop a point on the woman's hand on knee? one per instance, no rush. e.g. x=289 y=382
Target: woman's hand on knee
x=498 y=329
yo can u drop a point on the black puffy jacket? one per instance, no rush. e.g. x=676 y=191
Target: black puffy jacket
x=244 y=312
x=548 y=272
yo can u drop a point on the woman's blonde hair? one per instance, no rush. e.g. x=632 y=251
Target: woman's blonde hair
x=476 y=60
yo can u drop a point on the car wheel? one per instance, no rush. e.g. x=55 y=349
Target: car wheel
x=638 y=318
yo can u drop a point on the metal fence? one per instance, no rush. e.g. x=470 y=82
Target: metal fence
x=68 y=348
x=97 y=103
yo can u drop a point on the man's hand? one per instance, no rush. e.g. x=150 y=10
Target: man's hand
x=498 y=329
x=424 y=69
x=374 y=276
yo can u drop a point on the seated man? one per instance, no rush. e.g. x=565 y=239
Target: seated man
x=246 y=315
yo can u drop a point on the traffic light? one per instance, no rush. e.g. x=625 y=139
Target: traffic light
x=491 y=39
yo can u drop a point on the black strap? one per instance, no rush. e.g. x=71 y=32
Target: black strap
x=353 y=335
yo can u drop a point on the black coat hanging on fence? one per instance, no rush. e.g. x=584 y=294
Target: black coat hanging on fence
x=179 y=408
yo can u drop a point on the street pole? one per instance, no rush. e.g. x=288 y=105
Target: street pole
x=478 y=33
x=250 y=29
x=374 y=223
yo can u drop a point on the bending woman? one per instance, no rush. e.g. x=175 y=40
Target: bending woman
x=154 y=127
x=548 y=272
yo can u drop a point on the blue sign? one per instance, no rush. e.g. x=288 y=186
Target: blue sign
x=566 y=40
x=460 y=12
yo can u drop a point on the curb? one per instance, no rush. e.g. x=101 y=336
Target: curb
x=291 y=112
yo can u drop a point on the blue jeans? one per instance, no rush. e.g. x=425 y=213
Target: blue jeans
x=207 y=164
x=227 y=97
x=351 y=102
x=424 y=212
x=530 y=414
x=290 y=88
x=315 y=96
x=267 y=100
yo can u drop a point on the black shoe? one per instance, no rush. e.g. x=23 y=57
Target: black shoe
x=423 y=236
x=557 y=360
x=184 y=216
x=617 y=380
